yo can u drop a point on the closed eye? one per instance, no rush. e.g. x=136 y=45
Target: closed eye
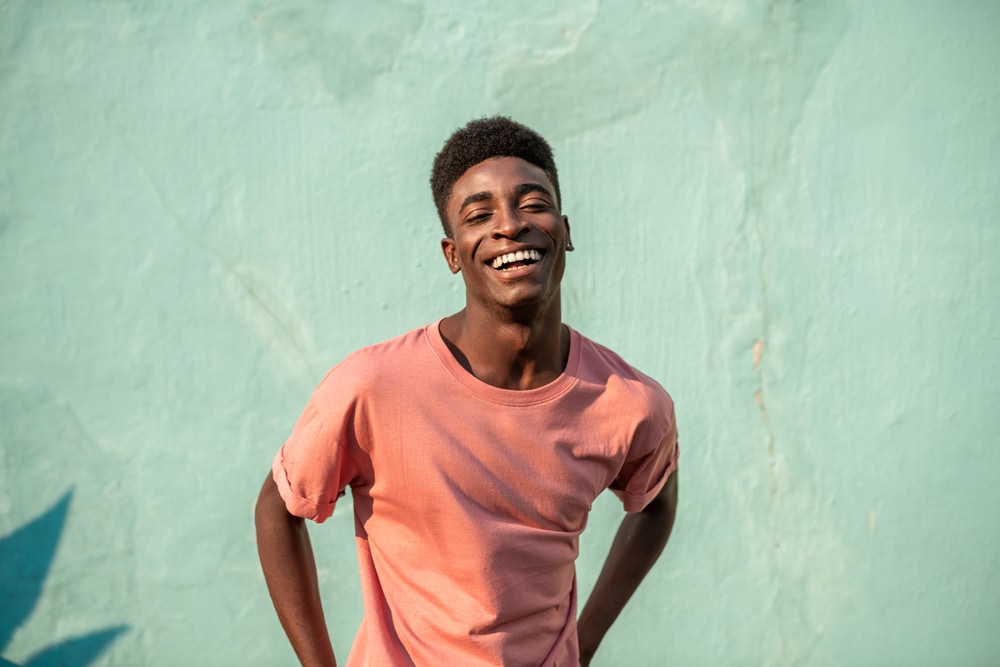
x=535 y=205
x=478 y=217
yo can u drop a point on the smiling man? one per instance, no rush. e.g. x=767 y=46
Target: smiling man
x=475 y=446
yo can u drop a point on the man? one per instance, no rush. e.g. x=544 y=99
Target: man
x=475 y=446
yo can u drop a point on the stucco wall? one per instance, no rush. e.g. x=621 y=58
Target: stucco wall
x=788 y=213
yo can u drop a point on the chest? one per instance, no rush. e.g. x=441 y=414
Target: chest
x=536 y=467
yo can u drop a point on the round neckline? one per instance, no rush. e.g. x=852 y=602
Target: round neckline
x=488 y=392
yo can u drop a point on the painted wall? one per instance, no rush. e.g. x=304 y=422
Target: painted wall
x=786 y=212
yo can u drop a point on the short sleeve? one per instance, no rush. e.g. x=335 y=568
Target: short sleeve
x=319 y=459
x=651 y=459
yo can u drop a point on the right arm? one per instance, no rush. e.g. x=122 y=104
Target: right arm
x=286 y=557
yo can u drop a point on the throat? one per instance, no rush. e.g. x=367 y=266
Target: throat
x=507 y=358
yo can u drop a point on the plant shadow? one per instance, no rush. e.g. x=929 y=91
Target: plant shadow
x=26 y=557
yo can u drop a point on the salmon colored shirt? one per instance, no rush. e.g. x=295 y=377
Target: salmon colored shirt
x=469 y=499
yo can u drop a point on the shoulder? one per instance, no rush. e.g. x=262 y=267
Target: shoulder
x=638 y=403
x=369 y=367
x=603 y=365
x=389 y=351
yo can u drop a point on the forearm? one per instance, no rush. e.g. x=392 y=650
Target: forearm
x=286 y=556
x=638 y=544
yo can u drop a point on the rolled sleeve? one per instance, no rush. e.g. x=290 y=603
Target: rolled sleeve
x=652 y=459
x=638 y=495
x=318 y=511
x=313 y=467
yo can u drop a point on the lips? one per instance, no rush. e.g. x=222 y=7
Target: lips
x=516 y=259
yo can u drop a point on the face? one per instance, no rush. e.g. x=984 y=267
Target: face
x=508 y=238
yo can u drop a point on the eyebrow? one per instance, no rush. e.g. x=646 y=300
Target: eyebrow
x=472 y=199
x=521 y=190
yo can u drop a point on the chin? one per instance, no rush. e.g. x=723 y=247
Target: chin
x=526 y=300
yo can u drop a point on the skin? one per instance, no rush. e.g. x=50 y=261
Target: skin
x=286 y=556
x=510 y=332
x=510 y=335
x=638 y=543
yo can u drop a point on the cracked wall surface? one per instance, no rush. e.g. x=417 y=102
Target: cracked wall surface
x=786 y=212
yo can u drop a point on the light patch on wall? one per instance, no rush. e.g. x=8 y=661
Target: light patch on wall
x=542 y=37
x=598 y=70
x=333 y=49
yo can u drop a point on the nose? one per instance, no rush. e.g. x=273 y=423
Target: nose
x=508 y=223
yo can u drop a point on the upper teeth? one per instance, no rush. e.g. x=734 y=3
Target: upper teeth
x=518 y=256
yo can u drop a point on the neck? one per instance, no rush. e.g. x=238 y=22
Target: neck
x=513 y=349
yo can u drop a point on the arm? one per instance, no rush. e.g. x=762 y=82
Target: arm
x=286 y=557
x=639 y=542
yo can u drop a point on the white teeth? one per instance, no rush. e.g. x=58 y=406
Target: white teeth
x=518 y=256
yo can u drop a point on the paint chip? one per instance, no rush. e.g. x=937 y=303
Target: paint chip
x=758 y=352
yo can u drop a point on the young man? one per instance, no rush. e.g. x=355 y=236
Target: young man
x=475 y=446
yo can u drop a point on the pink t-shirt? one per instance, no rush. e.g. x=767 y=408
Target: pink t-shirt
x=469 y=499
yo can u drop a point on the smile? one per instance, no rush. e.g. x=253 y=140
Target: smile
x=515 y=260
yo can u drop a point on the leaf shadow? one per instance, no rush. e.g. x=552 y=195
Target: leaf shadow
x=26 y=557
x=76 y=650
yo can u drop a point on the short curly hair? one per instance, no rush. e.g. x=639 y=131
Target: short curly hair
x=482 y=139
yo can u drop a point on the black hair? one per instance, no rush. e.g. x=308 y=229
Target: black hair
x=482 y=139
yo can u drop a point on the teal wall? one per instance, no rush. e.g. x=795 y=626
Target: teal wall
x=788 y=213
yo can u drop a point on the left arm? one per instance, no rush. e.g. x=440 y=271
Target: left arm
x=638 y=543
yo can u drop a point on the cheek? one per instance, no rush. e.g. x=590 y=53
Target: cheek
x=467 y=249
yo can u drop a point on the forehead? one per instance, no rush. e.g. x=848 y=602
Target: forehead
x=496 y=176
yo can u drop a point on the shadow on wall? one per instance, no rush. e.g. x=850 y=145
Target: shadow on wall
x=25 y=558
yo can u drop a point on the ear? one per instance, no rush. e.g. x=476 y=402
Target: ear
x=450 y=255
x=569 y=240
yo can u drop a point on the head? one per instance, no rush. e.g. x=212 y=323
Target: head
x=481 y=140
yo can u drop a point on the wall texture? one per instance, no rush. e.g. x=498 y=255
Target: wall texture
x=788 y=213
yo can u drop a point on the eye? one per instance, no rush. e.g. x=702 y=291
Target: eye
x=479 y=216
x=534 y=205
